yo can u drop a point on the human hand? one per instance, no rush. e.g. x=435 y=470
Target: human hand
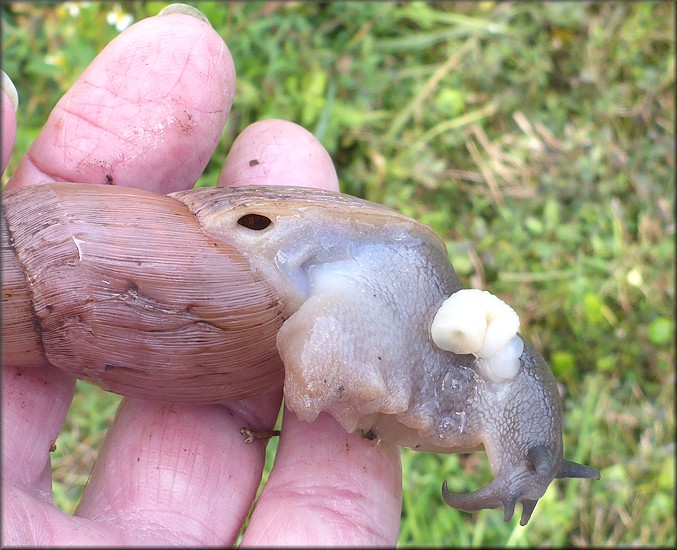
x=148 y=113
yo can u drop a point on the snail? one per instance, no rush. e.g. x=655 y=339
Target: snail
x=217 y=294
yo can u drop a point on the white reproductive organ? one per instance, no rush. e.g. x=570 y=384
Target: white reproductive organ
x=475 y=321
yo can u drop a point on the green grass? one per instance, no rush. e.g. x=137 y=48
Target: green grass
x=537 y=139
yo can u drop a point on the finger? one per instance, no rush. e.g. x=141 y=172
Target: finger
x=278 y=152
x=123 y=117
x=34 y=401
x=30 y=521
x=148 y=112
x=328 y=487
x=34 y=404
x=192 y=462
x=176 y=483
x=180 y=473
x=10 y=103
x=177 y=473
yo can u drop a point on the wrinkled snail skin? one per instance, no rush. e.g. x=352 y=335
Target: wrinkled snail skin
x=522 y=439
x=202 y=296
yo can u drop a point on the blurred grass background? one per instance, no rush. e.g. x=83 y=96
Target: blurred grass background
x=536 y=138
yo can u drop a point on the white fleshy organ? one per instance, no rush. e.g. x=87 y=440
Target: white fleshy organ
x=475 y=321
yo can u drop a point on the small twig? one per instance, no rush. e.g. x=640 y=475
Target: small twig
x=250 y=435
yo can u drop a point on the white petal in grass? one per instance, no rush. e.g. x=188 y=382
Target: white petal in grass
x=119 y=18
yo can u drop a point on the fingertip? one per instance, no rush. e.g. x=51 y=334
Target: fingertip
x=148 y=112
x=279 y=152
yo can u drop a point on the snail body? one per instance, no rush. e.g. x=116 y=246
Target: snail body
x=216 y=294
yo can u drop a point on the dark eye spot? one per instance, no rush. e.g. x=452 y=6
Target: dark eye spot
x=257 y=222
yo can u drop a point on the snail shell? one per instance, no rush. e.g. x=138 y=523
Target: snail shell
x=134 y=297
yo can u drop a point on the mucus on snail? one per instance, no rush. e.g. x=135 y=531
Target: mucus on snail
x=216 y=294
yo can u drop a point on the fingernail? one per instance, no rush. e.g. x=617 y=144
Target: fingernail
x=184 y=9
x=10 y=91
